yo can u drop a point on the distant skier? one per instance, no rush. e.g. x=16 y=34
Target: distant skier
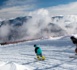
x=74 y=40
x=38 y=52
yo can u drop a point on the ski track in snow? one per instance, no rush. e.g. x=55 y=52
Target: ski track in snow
x=57 y=58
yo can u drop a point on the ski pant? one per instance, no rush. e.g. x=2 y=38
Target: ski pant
x=39 y=55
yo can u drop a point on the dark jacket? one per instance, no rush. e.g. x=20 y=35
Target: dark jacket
x=74 y=40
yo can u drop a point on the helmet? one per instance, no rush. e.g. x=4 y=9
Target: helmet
x=72 y=37
x=34 y=45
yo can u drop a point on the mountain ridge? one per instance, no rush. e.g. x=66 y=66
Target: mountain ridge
x=18 y=28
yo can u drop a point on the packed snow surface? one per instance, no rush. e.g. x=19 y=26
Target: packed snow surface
x=21 y=56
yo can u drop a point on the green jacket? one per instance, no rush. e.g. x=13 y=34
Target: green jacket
x=38 y=50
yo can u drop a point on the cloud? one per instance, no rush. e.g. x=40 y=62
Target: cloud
x=32 y=28
x=15 y=8
x=40 y=19
x=66 y=9
x=10 y=3
x=4 y=31
x=13 y=12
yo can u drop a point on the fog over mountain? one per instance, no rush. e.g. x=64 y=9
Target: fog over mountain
x=67 y=22
x=37 y=26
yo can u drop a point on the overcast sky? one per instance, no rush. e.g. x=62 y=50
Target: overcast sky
x=15 y=8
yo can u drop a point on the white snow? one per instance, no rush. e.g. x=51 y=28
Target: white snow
x=21 y=56
x=14 y=66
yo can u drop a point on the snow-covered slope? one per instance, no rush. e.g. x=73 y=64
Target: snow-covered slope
x=21 y=56
x=14 y=66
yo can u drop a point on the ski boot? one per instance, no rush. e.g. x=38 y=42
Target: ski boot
x=43 y=57
x=38 y=57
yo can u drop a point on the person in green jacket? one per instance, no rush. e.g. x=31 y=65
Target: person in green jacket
x=38 y=52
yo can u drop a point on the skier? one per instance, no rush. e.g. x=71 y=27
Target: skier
x=38 y=52
x=74 y=40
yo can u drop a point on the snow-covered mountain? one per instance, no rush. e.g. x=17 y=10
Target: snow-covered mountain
x=68 y=23
x=16 y=21
x=10 y=29
x=29 y=27
x=19 y=28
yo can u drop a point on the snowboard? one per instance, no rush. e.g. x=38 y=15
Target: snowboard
x=38 y=59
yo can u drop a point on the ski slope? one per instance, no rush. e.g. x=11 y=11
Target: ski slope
x=21 y=56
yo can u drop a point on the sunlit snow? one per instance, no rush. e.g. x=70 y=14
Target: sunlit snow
x=21 y=56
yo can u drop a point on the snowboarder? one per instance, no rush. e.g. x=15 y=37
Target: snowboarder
x=38 y=52
x=74 y=40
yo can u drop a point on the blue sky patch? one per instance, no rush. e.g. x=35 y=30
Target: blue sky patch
x=39 y=3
